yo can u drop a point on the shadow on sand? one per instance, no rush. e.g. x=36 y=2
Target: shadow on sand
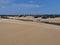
x=51 y=23
x=41 y=22
x=25 y=20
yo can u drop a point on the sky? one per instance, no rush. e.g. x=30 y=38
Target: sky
x=29 y=6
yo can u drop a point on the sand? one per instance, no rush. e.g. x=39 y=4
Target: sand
x=52 y=20
x=14 y=32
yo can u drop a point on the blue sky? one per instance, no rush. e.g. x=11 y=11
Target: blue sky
x=29 y=6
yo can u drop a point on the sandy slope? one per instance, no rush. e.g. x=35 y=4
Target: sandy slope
x=13 y=32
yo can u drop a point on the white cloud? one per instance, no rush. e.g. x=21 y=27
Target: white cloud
x=14 y=8
x=5 y=1
x=26 y=5
x=18 y=9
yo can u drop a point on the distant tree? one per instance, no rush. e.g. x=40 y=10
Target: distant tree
x=20 y=15
x=45 y=17
x=35 y=17
x=4 y=17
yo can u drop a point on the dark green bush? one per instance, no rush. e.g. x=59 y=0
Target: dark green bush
x=4 y=17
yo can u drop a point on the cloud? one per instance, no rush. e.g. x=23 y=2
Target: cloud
x=26 y=5
x=18 y=9
x=10 y=7
x=12 y=3
x=5 y=1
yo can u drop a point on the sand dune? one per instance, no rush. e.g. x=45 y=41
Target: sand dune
x=14 y=32
x=54 y=20
x=30 y=18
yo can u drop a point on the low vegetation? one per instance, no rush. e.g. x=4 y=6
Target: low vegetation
x=50 y=19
